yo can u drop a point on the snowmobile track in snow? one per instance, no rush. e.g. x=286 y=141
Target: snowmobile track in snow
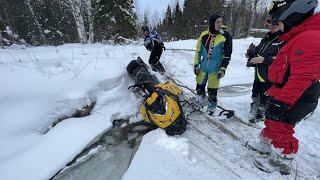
x=232 y=128
x=210 y=141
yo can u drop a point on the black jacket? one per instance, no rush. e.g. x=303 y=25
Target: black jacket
x=268 y=47
x=227 y=49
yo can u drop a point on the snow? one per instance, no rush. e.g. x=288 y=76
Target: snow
x=46 y=31
x=51 y=82
x=169 y=158
x=163 y=157
x=8 y=30
x=41 y=84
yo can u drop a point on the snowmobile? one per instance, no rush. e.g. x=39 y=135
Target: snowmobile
x=161 y=106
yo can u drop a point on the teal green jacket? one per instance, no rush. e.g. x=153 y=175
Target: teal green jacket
x=213 y=51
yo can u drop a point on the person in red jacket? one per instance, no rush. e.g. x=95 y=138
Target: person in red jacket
x=295 y=75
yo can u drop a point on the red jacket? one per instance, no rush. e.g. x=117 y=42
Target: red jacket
x=297 y=65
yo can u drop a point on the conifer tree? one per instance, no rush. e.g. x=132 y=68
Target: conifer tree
x=145 y=19
x=178 y=23
x=125 y=18
x=168 y=25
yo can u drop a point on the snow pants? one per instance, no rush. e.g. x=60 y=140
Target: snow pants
x=155 y=56
x=213 y=85
x=280 y=133
x=212 y=79
x=154 y=60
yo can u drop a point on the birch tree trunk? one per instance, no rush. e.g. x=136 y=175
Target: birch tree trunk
x=1 y=44
x=76 y=12
x=254 y=13
x=90 y=20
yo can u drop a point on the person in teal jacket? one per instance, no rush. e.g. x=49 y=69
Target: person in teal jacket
x=213 y=53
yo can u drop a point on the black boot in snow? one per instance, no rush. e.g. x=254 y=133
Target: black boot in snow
x=257 y=118
x=255 y=110
x=161 y=68
x=158 y=67
x=254 y=106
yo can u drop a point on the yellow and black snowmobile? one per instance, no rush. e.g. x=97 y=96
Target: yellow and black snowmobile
x=161 y=106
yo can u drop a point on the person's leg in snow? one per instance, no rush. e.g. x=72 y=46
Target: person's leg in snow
x=154 y=61
x=279 y=133
x=263 y=146
x=264 y=98
x=201 y=79
x=275 y=162
x=254 y=108
x=259 y=101
x=212 y=100
x=284 y=147
x=256 y=101
x=213 y=85
x=201 y=94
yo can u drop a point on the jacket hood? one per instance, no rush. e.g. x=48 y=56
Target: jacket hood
x=312 y=23
x=212 y=22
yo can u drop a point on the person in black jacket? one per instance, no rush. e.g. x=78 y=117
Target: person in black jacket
x=153 y=42
x=260 y=57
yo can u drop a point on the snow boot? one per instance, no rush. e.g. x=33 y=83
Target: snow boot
x=200 y=100
x=161 y=68
x=212 y=105
x=158 y=67
x=201 y=95
x=257 y=118
x=254 y=106
x=274 y=163
x=211 y=108
x=260 y=147
x=255 y=110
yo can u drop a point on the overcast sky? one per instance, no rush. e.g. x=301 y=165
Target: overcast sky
x=154 y=8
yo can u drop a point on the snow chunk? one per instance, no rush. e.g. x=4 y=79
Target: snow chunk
x=47 y=31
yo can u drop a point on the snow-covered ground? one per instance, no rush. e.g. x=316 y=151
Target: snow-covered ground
x=41 y=84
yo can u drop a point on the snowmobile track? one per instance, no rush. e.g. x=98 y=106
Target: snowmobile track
x=209 y=145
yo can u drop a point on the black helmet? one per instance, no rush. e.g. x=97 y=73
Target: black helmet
x=145 y=28
x=291 y=12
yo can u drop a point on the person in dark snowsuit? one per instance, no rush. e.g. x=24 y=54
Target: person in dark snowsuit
x=295 y=77
x=260 y=57
x=153 y=43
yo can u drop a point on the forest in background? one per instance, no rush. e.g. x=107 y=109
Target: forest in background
x=55 y=22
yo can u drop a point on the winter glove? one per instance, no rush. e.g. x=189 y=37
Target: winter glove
x=276 y=109
x=196 y=69
x=221 y=73
x=251 y=51
x=250 y=54
x=163 y=47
